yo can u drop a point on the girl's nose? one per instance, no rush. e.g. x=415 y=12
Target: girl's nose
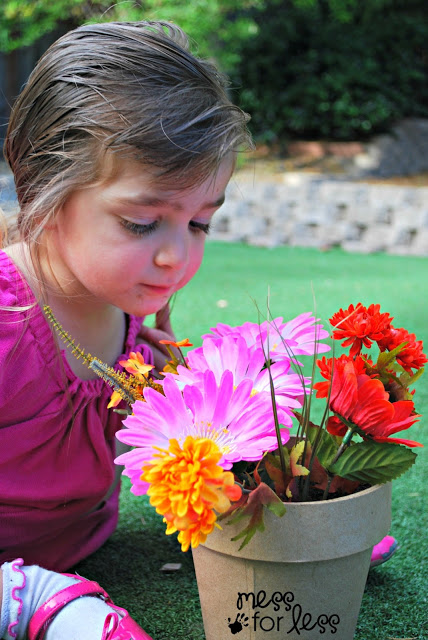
x=173 y=252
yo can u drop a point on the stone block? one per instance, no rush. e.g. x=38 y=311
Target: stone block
x=221 y=236
x=378 y=237
x=220 y=224
x=315 y=213
x=361 y=215
x=380 y=196
x=306 y=235
x=358 y=247
x=337 y=234
x=264 y=240
x=248 y=226
x=282 y=210
x=341 y=193
x=419 y=245
x=403 y=237
x=384 y=214
x=412 y=217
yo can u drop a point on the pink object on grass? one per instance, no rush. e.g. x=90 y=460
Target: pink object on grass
x=383 y=550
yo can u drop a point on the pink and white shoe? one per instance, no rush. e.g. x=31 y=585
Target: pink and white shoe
x=118 y=624
x=383 y=550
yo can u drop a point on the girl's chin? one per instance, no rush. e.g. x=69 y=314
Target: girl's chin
x=144 y=307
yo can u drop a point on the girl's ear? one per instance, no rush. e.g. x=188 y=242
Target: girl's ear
x=49 y=226
x=51 y=222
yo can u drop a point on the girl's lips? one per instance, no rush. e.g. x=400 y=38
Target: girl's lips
x=160 y=290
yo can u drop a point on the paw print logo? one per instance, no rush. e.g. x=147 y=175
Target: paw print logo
x=240 y=622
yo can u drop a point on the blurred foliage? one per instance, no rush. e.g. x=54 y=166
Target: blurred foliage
x=213 y=25
x=338 y=69
x=333 y=69
x=22 y=22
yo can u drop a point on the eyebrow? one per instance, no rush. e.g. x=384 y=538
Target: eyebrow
x=147 y=201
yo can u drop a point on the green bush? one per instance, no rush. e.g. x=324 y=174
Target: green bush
x=309 y=73
x=214 y=26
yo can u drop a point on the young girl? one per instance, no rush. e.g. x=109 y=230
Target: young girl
x=121 y=144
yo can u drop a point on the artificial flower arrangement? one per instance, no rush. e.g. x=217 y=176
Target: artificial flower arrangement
x=211 y=437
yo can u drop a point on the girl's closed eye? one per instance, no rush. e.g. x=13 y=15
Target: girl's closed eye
x=195 y=226
x=139 y=229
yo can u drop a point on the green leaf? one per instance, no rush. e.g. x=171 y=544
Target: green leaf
x=327 y=445
x=261 y=497
x=275 y=460
x=374 y=462
x=388 y=357
x=406 y=379
x=326 y=450
x=277 y=507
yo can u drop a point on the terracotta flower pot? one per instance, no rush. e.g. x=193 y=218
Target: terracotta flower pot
x=302 y=578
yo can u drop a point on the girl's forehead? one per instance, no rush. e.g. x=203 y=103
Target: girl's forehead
x=138 y=177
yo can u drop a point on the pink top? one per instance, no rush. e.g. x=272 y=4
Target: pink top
x=53 y=470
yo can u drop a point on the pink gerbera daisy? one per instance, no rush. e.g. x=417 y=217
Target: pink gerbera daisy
x=299 y=336
x=231 y=353
x=241 y=424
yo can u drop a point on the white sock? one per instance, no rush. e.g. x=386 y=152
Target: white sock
x=25 y=589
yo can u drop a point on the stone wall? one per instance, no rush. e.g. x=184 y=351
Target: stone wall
x=314 y=211
x=311 y=210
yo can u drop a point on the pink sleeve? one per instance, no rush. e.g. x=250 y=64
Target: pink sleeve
x=20 y=361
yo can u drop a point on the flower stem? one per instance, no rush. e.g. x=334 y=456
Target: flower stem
x=327 y=489
x=277 y=427
x=344 y=444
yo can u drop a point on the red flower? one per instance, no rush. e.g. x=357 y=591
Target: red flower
x=362 y=401
x=359 y=326
x=326 y=368
x=411 y=355
x=336 y=427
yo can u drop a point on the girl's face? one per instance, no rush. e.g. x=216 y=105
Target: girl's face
x=131 y=242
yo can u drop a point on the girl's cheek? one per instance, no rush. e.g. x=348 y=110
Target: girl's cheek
x=199 y=257
x=192 y=268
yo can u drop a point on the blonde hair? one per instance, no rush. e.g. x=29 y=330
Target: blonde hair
x=133 y=89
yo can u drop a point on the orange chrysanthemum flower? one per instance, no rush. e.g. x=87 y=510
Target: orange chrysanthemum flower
x=115 y=399
x=411 y=356
x=360 y=326
x=187 y=487
x=136 y=365
x=138 y=371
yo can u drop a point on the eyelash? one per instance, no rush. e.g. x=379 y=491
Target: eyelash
x=200 y=226
x=139 y=229
x=146 y=229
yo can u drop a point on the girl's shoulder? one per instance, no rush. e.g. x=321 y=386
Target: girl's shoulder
x=23 y=329
x=14 y=290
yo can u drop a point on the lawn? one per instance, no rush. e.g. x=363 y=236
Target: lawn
x=232 y=279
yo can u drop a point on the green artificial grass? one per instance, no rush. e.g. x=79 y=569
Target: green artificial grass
x=129 y=565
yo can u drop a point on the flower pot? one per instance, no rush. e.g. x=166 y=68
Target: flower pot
x=302 y=578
